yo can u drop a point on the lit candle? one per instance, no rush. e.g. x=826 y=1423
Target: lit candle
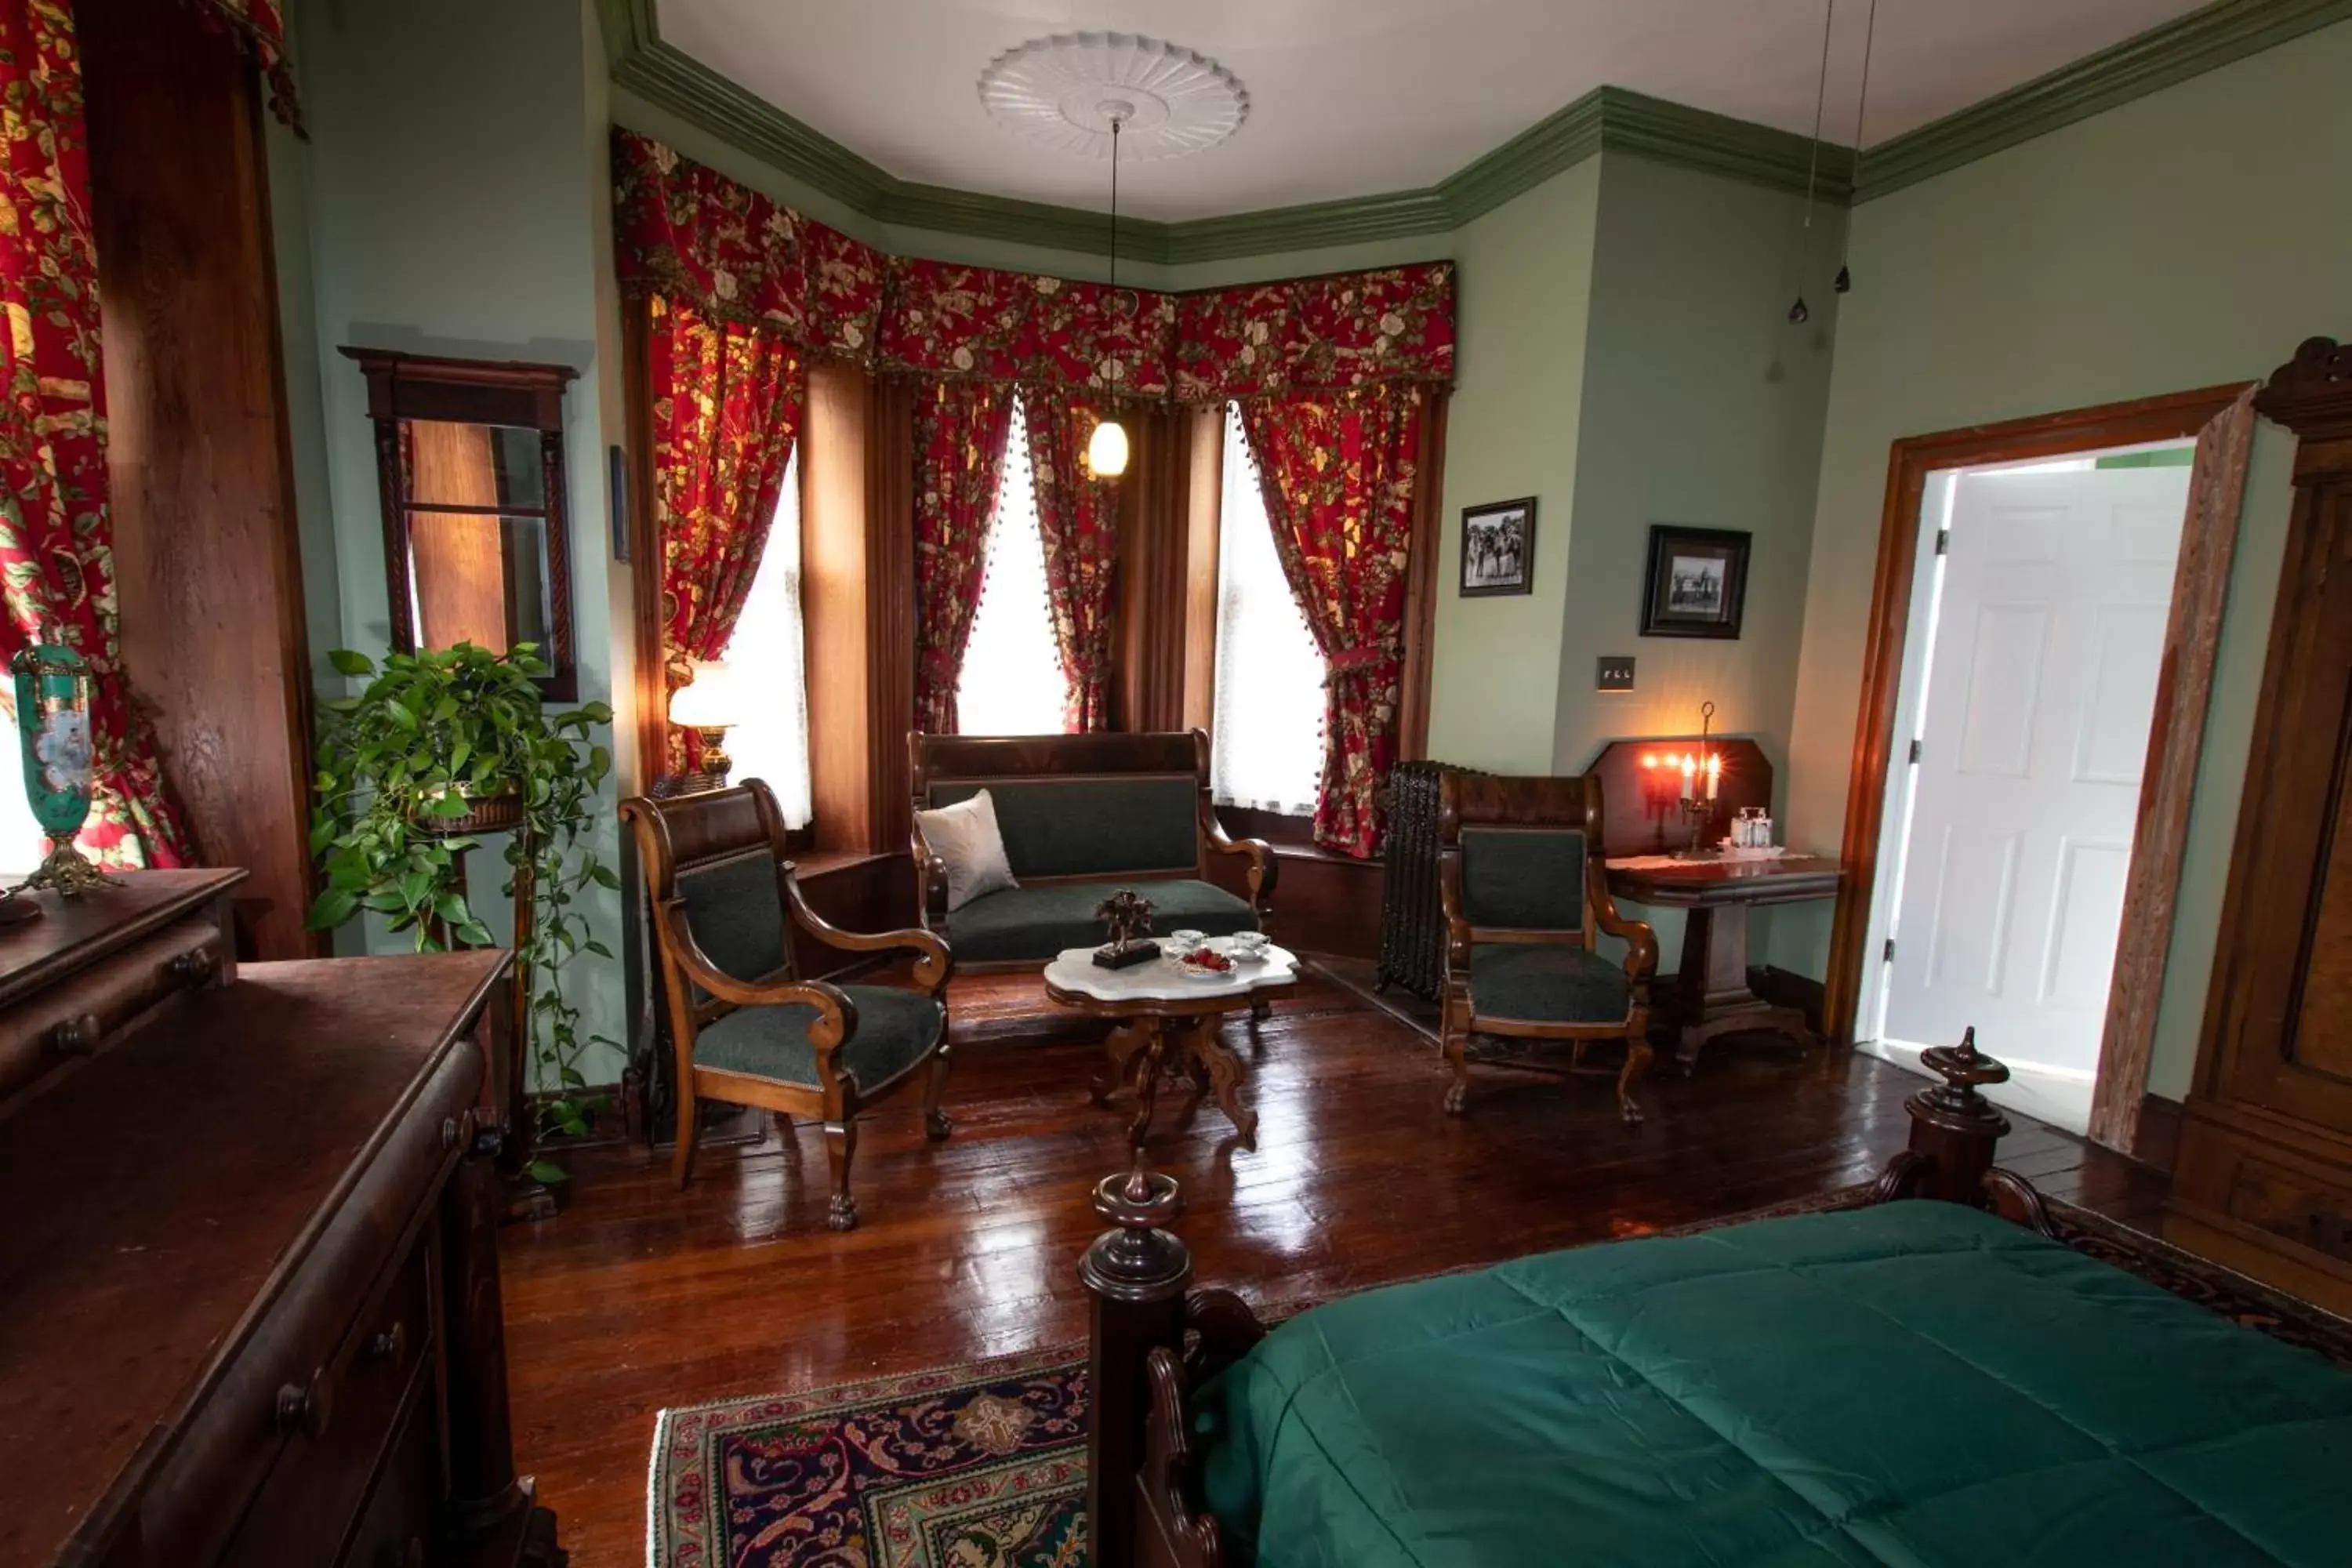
x=1690 y=769
x=1713 y=773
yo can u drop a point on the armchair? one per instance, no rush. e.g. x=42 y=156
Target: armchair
x=1526 y=894
x=747 y=1029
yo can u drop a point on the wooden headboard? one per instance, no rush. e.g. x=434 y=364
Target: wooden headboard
x=1641 y=813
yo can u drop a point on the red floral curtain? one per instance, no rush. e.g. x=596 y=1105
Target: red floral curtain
x=1338 y=474
x=1078 y=516
x=726 y=403
x=57 y=554
x=960 y=431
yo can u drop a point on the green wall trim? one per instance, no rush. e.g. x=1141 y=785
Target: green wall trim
x=1608 y=118
x=2146 y=62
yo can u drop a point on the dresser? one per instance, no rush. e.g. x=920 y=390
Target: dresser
x=249 y=1305
x=2264 y=1177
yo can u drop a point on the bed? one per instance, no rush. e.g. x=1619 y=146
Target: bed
x=1914 y=1382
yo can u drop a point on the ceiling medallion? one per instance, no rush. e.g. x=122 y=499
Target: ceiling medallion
x=1065 y=91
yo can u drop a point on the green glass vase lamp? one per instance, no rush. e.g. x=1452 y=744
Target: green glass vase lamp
x=53 y=691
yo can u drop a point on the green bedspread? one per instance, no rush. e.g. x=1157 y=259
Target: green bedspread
x=1914 y=1383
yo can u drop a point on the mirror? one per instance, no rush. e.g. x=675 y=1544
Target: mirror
x=470 y=461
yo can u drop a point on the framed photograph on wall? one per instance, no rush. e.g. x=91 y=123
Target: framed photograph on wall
x=1499 y=548
x=1697 y=582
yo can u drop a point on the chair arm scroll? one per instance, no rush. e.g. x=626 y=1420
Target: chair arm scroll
x=1265 y=871
x=1641 y=940
x=934 y=962
x=836 y=1014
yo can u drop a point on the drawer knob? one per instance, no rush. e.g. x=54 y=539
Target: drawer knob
x=76 y=1036
x=390 y=1344
x=303 y=1408
x=195 y=965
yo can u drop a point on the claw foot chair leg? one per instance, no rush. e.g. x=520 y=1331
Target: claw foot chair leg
x=1637 y=1062
x=690 y=1126
x=936 y=1121
x=840 y=1146
x=1457 y=1057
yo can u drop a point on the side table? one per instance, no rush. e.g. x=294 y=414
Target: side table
x=1167 y=1021
x=1710 y=995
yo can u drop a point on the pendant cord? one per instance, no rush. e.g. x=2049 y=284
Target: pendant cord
x=1797 y=313
x=1860 y=113
x=1114 y=201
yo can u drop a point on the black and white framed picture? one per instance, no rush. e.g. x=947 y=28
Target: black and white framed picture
x=1499 y=548
x=1697 y=582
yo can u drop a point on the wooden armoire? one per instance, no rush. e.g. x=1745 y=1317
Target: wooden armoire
x=2263 y=1180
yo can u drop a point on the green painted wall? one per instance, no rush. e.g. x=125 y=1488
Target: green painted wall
x=1521 y=318
x=1702 y=405
x=448 y=203
x=2187 y=239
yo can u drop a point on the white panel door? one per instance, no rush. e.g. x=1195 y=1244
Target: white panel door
x=2039 y=687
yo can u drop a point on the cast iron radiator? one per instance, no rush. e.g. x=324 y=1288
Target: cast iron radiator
x=1413 y=916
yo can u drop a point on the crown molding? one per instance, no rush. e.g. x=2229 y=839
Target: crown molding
x=1608 y=118
x=2164 y=55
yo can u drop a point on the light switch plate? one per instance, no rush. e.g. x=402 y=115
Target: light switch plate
x=1614 y=673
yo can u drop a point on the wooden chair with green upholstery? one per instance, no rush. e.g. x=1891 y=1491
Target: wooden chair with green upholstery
x=1527 y=896
x=746 y=1028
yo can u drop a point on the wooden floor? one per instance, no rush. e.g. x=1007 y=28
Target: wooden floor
x=640 y=1296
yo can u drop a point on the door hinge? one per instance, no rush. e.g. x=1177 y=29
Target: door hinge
x=1915 y=750
x=1943 y=541
x=1887 y=954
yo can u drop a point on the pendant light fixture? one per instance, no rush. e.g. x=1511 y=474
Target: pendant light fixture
x=1106 y=448
x=1798 y=313
x=1861 y=107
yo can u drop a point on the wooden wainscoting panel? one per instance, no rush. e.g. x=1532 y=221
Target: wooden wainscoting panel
x=207 y=569
x=1323 y=902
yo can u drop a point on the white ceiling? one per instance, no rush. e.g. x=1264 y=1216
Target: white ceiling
x=1352 y=98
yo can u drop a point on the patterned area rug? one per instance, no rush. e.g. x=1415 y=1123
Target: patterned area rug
x=984 y=1464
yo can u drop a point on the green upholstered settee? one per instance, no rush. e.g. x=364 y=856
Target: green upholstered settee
x=1083 y=817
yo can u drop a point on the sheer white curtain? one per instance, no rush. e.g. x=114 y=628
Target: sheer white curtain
x=1012 y=682
x=768 y=659
x=1267 y=752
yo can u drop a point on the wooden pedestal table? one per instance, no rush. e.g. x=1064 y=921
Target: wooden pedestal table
x=1167 y=1023
x=1709 y=994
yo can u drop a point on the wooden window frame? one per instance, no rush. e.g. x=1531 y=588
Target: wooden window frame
x=2220 y=419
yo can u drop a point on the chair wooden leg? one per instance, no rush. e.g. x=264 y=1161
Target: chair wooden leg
x=1260 y=1011
x=840 y=1147
x=689 y=1128
x=1456 y=1033
x=1637 y=1062
x=936 y=1124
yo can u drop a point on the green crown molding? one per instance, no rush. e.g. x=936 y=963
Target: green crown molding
x=2165 y=55
x=1608 y=118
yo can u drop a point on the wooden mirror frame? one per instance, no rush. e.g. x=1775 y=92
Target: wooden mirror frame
x=473 y=392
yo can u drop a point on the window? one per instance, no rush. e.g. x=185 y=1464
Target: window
x=1013 y=682
x=768 y=660
x=1268 y=750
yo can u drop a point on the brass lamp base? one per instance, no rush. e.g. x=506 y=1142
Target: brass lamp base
x=715 y=760
x=69 y=871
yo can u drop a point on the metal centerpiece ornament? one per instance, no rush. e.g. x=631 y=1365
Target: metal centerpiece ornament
x=1128 y=914
x=53 y=693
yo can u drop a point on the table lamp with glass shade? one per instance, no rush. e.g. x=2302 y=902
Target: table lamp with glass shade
x=707 y=704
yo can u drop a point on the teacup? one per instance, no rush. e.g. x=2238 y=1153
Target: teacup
x=1249 y=943
x=1178 y=942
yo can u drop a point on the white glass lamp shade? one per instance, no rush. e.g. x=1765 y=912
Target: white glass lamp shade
x=708 y=702
x=1107 y=450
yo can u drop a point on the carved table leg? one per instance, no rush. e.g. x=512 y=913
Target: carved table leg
x=1711 y=996
x=1226 y=1075
x=1119 y=1052
x=1147 y=1079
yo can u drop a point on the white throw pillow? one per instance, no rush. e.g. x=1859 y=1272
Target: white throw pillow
x=966 y=838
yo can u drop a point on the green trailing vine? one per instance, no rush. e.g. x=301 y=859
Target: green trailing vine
x=433 y=737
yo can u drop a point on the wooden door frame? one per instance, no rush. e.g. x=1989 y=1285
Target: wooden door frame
x=2222 y=420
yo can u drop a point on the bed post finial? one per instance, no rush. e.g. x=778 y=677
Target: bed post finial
x=1954 y=1128
x=1135 y=1274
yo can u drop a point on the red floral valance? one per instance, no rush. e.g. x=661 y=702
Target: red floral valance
x=260 y=26
x=687 y=231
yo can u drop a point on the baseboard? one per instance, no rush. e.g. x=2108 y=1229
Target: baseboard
x=1787 y=988
x=2157 y=1143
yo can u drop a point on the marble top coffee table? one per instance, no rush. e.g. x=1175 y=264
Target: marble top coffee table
x=1167 y=1023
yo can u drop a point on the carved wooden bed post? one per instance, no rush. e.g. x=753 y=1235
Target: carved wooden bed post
x=1137 y=1275
x=1953 y=1132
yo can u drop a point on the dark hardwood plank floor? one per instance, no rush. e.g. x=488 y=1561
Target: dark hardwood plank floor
x=640 y=1296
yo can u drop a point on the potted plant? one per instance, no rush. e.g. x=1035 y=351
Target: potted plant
x=438 y=747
